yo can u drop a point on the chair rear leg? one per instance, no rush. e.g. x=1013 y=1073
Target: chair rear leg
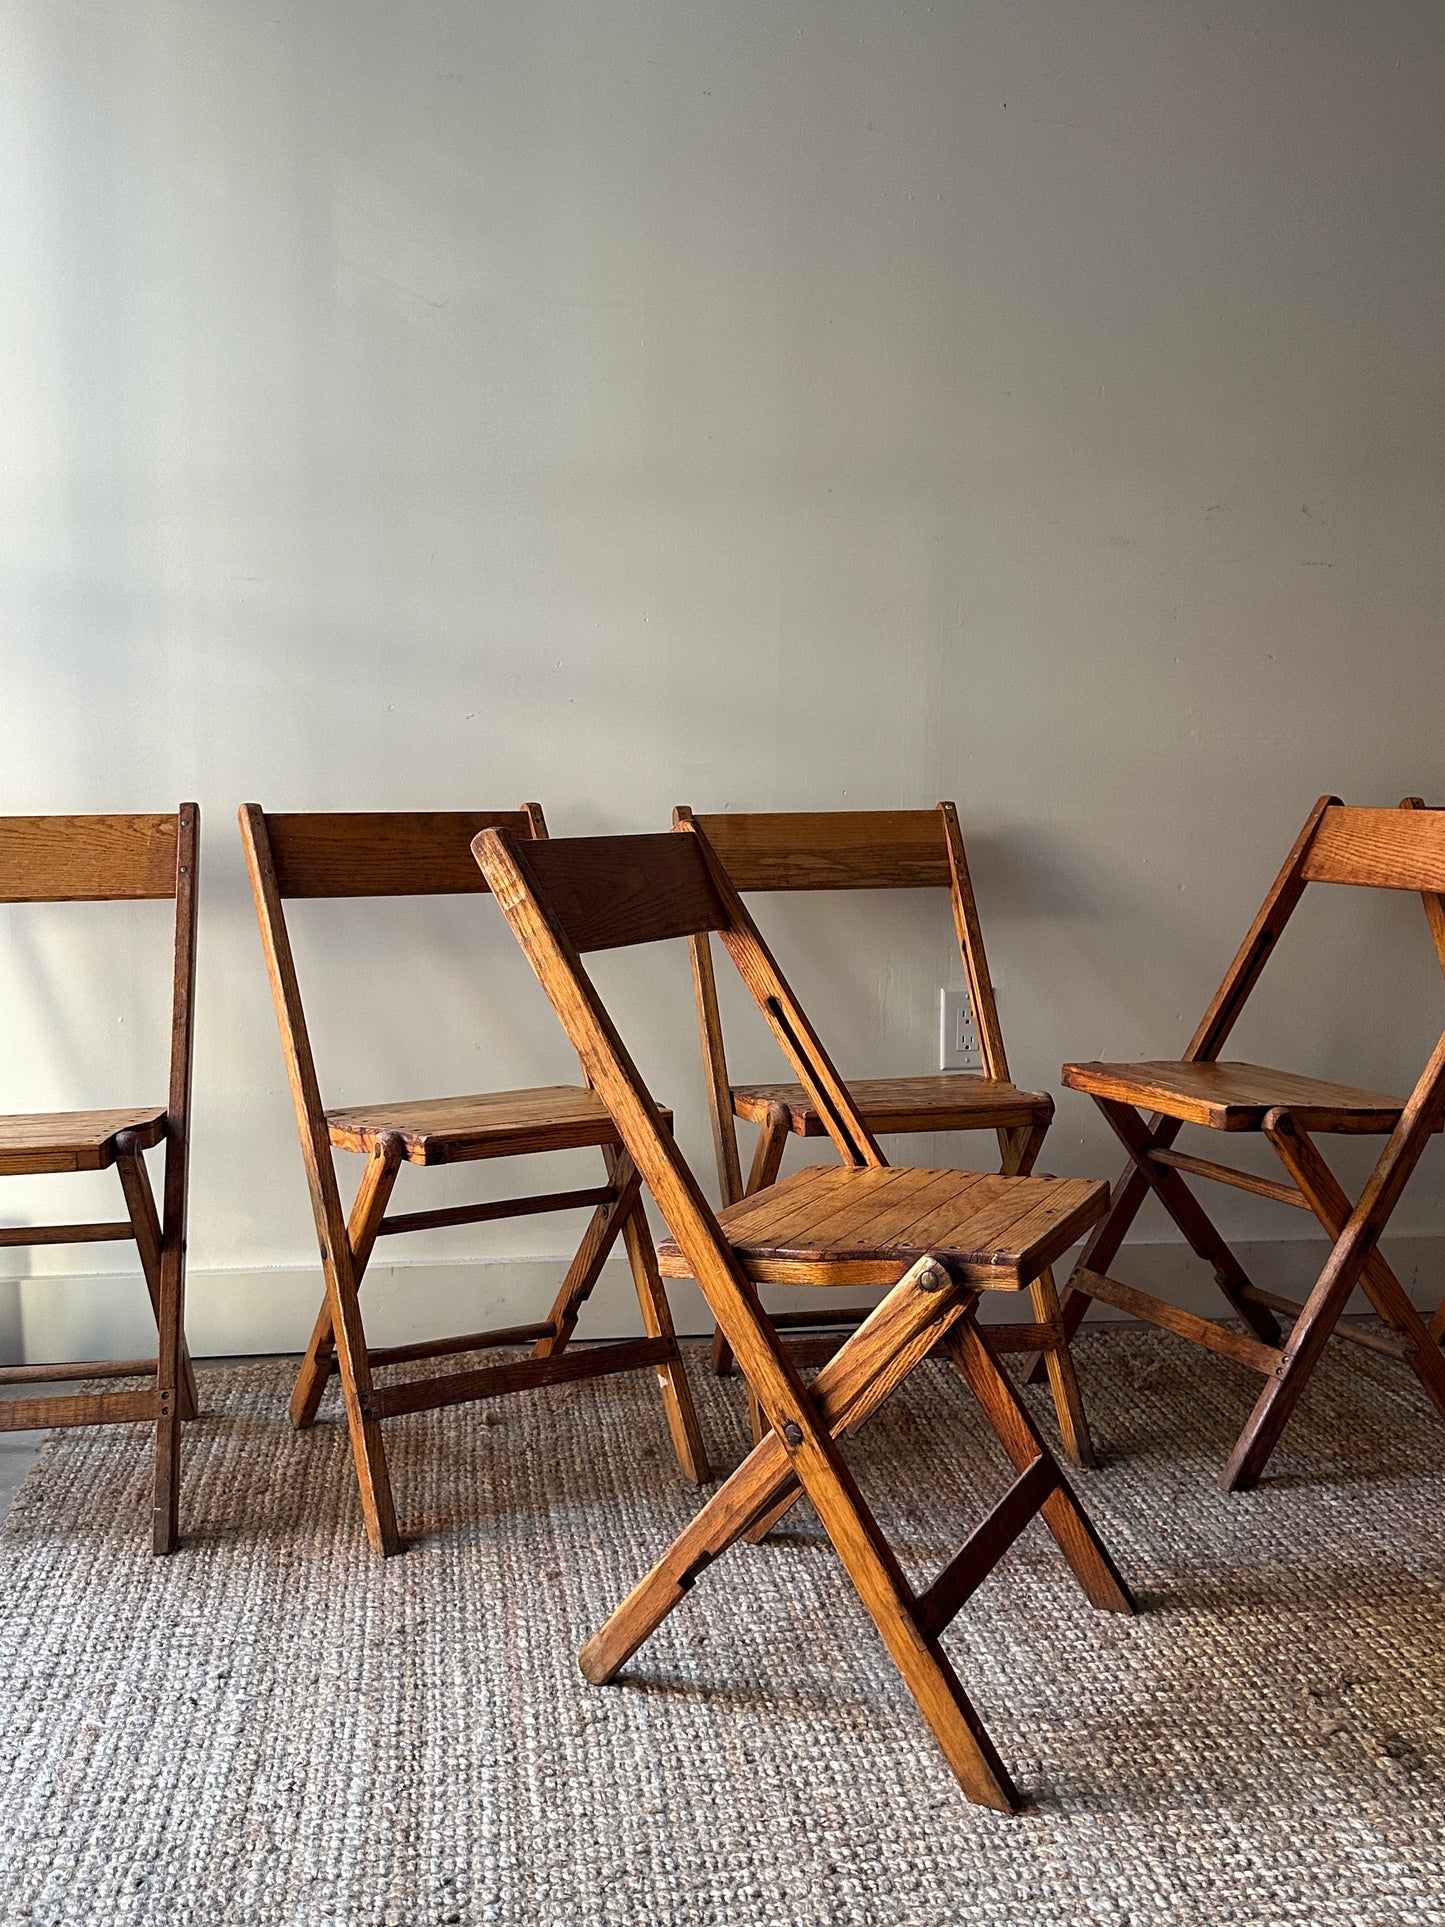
x=590 y=1256
x=1085 y=1551
x=677 y=1404
x=367 y=1210
x=140 y=1207
x=767 y=1162
x=1099 y=1253
x=170 y=1388
x=1063 y=1380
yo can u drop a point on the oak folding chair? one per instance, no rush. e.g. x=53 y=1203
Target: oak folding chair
x=936 y=1238
x=418 y=854
x=1401 y=849
x=115 y=859
x=877 y=850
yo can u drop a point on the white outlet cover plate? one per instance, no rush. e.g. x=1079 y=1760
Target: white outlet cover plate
x=957 y=1039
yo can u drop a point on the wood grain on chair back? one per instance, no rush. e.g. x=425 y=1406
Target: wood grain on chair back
x=828 y=849
x=1400 y=849
x=606 y=892
x=86 y=859
x=385 y=853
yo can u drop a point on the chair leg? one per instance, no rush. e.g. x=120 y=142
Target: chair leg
x=1058 y=1360
x=354 y=1366
x=1189 y=1214
x=591 y=1255
x=849 y=1388
x=866 y=1557
x=767 y=1161
x=367 y=1210
x=677 y=1405
x=172 y=1367
x=1073 y=1531
x=340 y=1335
x=1303 y=1160
x=140 y=1206
x=1020 y=1151
x=1099 y=1253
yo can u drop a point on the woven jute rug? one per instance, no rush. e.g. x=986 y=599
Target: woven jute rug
x=275 y=1726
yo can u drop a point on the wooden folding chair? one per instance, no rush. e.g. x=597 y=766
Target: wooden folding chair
x=937 y=1238
x=1400 y=849
x=411 y=854
x=877 y=850
x=113 y=859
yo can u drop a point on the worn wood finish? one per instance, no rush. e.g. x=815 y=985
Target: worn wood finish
x=1235 y=1097
x=384 y=853
x=34 y=1143
x=488 y=1124
x=799 y=1453
x=117 y=859
x=1379 y=849
x=1402 y=849
x=87 y=859
x=874 y=849
x=995 y=1233
x=413 y=853
x=941 y=1101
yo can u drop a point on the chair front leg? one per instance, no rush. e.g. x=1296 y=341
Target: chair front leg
x=1184 y=1208
x=145 y=1223
x=367 y=1210
x=1305 y=1163
x=677 y=1405
x=1020 y=1153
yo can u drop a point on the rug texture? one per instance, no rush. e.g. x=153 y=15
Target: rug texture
x=276 y=1727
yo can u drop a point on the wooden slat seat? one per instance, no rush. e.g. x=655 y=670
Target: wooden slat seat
x=834 y=1226
x=1238 y=1097
x=38 y=1142
x=942 y=1101
x=491 y=1124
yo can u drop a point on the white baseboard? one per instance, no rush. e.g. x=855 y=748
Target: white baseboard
x=230 y=1313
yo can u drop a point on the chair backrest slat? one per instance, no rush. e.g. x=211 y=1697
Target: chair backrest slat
x=606 y=892
x=1401 y=849
x=86 y=859
x=830 y=849
x=385 y=853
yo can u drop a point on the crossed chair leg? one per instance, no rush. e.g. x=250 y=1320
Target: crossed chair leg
x=1286 y=1364
x=800 y=1456
x=338 y=1340
x=1047 y=1335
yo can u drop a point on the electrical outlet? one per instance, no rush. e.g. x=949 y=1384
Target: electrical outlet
x=957 y=1038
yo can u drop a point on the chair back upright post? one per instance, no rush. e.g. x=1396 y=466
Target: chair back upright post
x=113 y=859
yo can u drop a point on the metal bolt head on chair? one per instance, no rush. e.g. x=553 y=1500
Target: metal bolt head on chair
x=113 y=859
x=421 y=854
x=937 y=1238
x=878 y=850
x=1400 y=849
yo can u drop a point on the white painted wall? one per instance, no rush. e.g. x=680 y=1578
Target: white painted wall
x=758 y=405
